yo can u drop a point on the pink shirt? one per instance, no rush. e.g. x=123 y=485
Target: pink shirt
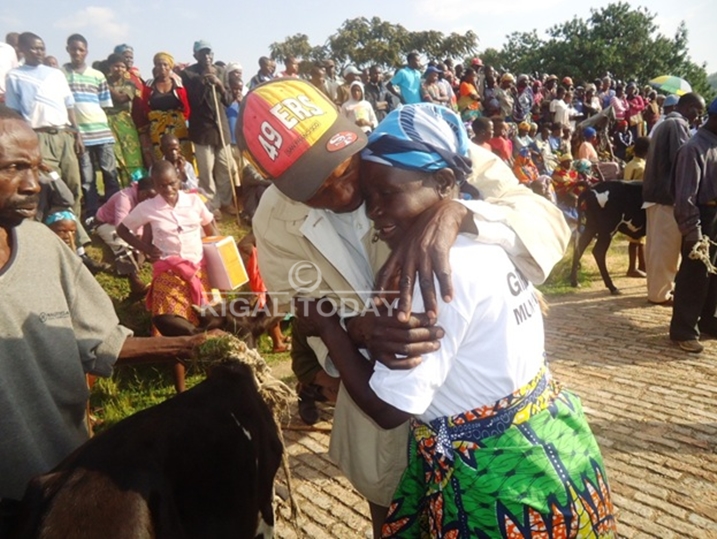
x=118 y=206
x=177 y=231
x=587 y=151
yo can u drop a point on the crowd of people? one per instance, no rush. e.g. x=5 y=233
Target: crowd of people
x=353 y=177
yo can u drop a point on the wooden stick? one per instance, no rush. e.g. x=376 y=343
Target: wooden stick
x=309 y=428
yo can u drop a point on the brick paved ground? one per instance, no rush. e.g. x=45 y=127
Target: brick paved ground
x=652 y=407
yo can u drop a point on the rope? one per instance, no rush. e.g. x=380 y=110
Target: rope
x=275 y=393
x=701 y=251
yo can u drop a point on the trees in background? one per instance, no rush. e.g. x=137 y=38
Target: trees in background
x=617 y=39
x=363 y=42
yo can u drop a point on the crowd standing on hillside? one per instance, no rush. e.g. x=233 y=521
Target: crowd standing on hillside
x=171 y=150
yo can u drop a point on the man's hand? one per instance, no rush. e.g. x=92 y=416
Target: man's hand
x=424 y=252
x=313 y=314
x=213 y=79
x=386 y=338
x=79 y=145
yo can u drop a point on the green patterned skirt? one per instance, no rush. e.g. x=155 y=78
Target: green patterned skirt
x=128 y=151
x=527 y=466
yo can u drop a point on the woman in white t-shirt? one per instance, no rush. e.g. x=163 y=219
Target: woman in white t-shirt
x=496 y=446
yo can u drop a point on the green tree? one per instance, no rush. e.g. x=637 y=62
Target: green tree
x=618 y=39
x=364 y=42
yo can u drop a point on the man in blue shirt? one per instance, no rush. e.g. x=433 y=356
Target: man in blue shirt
x=406 y=83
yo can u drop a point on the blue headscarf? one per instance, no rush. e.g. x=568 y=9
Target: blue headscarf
x=64 y=215
x=422 y=136
x=119 y=49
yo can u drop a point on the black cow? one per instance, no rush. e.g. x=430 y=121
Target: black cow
x=603 y=210
x=200 y=465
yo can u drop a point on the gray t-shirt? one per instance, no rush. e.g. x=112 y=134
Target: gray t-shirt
x=56 y=324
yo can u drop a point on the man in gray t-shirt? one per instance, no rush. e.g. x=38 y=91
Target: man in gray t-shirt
x=56 y=324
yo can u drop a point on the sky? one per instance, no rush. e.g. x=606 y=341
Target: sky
x=242 y=31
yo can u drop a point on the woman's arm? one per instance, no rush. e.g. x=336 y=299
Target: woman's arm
x=152 y=251
x=211 y=229
x=354 y=368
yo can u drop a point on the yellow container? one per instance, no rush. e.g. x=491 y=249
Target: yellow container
x=224 y=265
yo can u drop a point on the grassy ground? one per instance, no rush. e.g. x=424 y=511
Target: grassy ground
x=132 y=389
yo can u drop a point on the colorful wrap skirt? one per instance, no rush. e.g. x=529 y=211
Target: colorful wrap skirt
x=527 y=466
x=128 y=151
x=170 y=294
x=174 y=122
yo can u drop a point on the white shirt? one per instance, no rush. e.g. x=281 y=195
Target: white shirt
x=8 y=61
x=494 y=342
x=176 y=231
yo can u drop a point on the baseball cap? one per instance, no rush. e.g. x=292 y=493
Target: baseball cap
x=351 y=70
x=477 y=62
x=294 y=135
x=202 y=44
x=433 y=69
x=671 y=100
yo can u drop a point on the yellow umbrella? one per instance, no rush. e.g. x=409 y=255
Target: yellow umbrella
x=671 y=84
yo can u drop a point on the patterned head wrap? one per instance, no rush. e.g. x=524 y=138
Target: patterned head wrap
x=119 y=49
x=64 y=215
x=164 y=56
x=422 y=136
x=583 y=166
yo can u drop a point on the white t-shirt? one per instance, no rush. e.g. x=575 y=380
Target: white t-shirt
x=494 y=342
x=562 y=112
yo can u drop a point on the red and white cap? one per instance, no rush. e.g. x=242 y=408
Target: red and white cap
x=295 y=136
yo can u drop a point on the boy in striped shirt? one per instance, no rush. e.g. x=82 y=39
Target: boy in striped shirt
x=91 y=93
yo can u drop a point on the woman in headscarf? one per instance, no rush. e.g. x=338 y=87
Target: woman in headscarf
x=128 y=151
x=496 y=445
x=162 y=108
x=127 y=53
x=358 y=109
x=524 y=168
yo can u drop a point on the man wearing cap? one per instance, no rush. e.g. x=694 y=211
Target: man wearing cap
x=668 y=105
x=267 y=66
x=406 y=83
x=343 y=93
x=431 y=90
x=314 y=239
x=695 y=176
x=208 y=99
x=662 y=248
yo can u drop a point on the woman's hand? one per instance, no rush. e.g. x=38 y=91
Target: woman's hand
x=152 y=252
x=424 y=251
